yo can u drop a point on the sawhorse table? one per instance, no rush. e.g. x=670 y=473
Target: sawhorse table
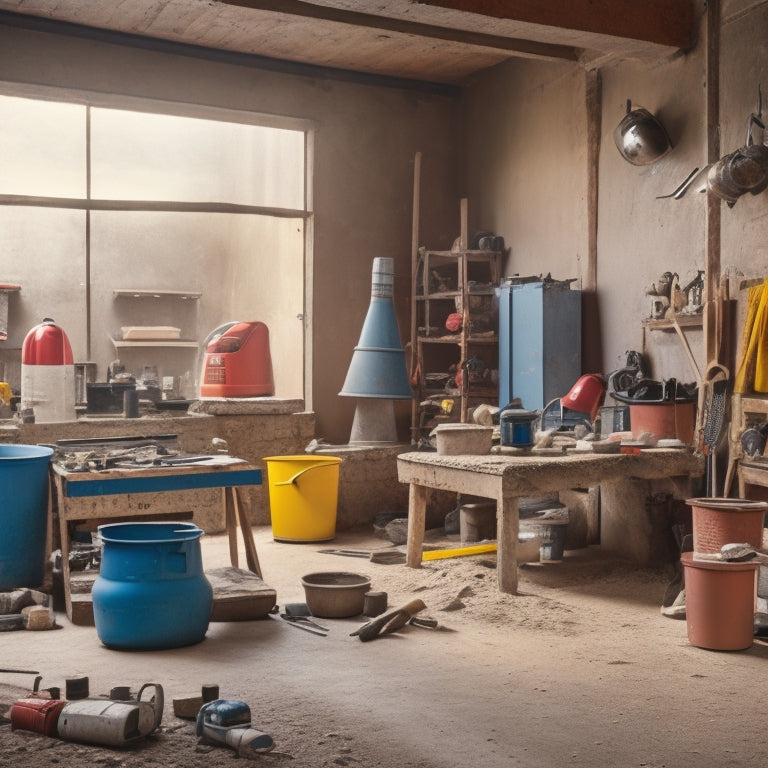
x=156 y=492
x=508 y=478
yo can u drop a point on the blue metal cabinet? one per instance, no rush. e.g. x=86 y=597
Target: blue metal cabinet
x=539 y=341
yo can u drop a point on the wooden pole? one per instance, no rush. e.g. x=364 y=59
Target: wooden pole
x=414 y=279
x=712 y=284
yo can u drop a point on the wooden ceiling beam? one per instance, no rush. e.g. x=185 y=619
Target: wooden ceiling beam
x=663 y=22
x=521 y=47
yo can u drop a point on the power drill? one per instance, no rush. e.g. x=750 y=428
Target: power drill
x=225 y=721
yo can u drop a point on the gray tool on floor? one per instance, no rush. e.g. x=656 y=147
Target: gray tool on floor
x=305 y=623
x=381 y=556
x=345 y=552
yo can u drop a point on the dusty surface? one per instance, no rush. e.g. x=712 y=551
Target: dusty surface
x=579 y=669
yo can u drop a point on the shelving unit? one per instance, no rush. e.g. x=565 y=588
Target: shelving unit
x=133 y=293
x=456 y=329
x=122 y=343
x=149 y=294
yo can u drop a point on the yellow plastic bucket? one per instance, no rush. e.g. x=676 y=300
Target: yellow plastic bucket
x=303 y=496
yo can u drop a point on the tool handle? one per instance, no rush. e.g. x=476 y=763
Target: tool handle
x=390 y=621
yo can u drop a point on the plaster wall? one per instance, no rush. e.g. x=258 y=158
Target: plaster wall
x=366 y=133
x=526 y=175
x=526 y=164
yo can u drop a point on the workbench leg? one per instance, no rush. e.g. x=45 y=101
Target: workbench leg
x=251 y=558
x=231 y=518
x=507 y=529
x=61 y=503
x=417 y=515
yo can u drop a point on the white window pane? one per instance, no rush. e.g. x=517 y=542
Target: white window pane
x=42 y=148
x=43 y=251
x=140 y=156
x=246 y=267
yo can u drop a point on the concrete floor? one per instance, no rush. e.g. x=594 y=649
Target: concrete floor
x=579 y=669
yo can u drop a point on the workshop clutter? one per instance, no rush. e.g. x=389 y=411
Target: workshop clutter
x=151 y=592
x=26 y=609
x=303 y=496
x=23 y=511
x=665 y=409
x=121 y=720
x=720 y=576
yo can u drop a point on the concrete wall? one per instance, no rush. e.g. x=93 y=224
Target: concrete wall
x=366 y=135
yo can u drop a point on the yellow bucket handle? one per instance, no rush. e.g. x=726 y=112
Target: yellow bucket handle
x=292 y=480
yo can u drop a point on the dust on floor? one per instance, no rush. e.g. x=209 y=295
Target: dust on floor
x=533 y=679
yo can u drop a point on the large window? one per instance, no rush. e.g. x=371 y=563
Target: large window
x=206 y=211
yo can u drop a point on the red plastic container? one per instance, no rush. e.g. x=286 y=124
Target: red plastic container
x=48 y=374
x=720 y=603
x=720 y=521
x=667 y=421
x=238 y=363
x=39 y=715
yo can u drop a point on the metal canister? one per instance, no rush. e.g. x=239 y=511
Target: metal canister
x=517 y=427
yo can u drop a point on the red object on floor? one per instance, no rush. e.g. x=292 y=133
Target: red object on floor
x=39 y=715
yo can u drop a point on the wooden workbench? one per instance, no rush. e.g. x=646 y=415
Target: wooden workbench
x=151 y=492
x=508 y=478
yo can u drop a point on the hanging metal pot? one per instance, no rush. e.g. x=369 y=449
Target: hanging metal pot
x=734 y=174
x=758 y=153
x=640 y=138
x=745 y=170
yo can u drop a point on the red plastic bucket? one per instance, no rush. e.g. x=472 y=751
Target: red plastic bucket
x=667 y=421
x=719 y=603
x=720 y=521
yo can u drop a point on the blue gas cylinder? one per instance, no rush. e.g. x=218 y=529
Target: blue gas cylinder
x=151 y=592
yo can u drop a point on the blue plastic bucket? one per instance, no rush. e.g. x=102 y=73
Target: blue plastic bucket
x=23 y=514
x=151 y=592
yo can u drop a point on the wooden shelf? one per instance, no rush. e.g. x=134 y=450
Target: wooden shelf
x=120 y=343
x=684 y=321
x=449 y=283
x=150 y=294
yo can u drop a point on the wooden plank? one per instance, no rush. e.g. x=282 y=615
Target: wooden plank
x=664 y=22
x=251 y=557
x=594 y=111
x=407 y=26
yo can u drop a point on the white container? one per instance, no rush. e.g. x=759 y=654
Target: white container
x=462 y=439
x=111 y=723
x=48 y=374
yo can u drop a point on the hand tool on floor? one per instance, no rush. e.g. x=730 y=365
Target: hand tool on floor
x=228 y=722
x=390 y=621
x=345 y=552
x=382 y=556
x=305 y=623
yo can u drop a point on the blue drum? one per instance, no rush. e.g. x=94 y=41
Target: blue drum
x=151 y=592
x=23 y=514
